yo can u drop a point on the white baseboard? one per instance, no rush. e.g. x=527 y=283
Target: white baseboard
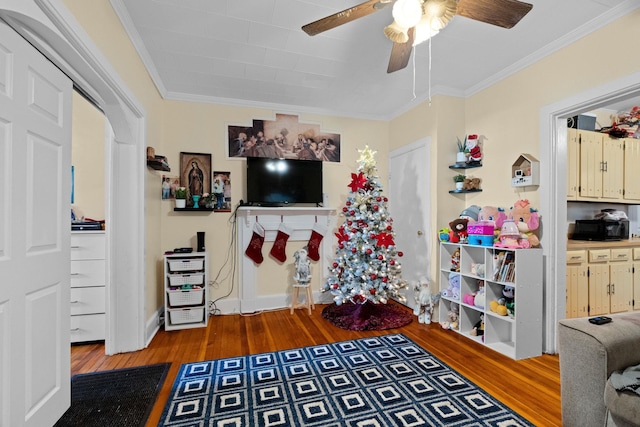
x=153 y=326
x=268 y=302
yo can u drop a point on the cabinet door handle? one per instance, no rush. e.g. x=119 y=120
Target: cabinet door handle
x=75 y=329
x=608 y=289
x=75 y=274
x=75 y=302
x=76 y=247
x=613 y=289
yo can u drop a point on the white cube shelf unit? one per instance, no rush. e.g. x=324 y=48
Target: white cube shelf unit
x=518 y=336
x=186 y=291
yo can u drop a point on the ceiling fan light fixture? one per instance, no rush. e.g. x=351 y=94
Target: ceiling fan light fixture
x=439 y=12
x=407 y=13
x=424 y=31
x=396 y=33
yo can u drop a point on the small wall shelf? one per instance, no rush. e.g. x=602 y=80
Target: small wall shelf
x=466 y=165
x=465 y=191
x=158 y=165
x=193 y=209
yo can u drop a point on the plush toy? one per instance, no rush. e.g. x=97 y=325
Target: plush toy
x=458 y=233
x=477 y=298
x=452 y=318
x=478 y=328
x=528 y=221
x=494 y=214
x=478 y=269
x=471 y=183
x=425 y=302
x=472 y=148
x=504 y=305
x=443 y=234
x=455 y=261
x=453 y=291
x=470 y=214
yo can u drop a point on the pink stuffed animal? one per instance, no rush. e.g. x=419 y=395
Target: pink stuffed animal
x=494 y=214
x=528 y=221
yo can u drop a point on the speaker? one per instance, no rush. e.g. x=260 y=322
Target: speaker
x=200 y=241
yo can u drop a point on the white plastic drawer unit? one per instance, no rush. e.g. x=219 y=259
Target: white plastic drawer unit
x=87 y=246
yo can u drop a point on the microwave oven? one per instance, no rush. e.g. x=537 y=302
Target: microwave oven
x=601 y=229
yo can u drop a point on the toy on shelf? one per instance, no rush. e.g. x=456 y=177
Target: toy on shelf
x=470 y=214
x=455 y=260
x=481 y=233
x=493 y=214
x=443 y=234
x=528 y=221
x=478 y=269
x=505 y=305
x=477 y=298
x=471 y=183
x=453 y=291
x=478 y=328
x=509 y=236
x=472 y=148
x=425 y=302
x=458 y=233
x=452 y=317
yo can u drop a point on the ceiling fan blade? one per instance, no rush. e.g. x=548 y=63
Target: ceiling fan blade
x=503 y=13
x=347 y=15
x=401 y=53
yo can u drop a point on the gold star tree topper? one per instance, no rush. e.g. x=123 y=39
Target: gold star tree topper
x=367 y=160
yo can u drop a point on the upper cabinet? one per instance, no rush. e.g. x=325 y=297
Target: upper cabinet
x=601 y=168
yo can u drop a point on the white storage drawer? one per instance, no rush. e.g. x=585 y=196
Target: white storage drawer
x=88 y=273
x=184 y=298
x=88 y=327
x=86 y=245
x=194 y=264
x=87 y=300
x=188 y=315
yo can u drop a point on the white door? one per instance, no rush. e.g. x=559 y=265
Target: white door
x=35 y=182
x=410 y=209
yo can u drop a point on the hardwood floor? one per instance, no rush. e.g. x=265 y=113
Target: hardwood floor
x=530 y=387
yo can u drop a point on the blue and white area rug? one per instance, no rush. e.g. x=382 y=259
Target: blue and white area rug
x=370 y=382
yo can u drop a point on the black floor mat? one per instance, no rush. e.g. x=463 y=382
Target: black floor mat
x=122 y=397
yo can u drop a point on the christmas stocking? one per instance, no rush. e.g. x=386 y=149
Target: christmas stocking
x=254 y=250
x=280 y=244
x=317 y=233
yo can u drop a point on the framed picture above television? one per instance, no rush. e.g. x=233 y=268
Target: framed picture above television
x=285 y=137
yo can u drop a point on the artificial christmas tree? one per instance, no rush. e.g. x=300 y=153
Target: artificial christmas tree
x=366 y=273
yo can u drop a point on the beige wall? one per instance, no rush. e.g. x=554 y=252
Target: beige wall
x=87 y=157
x=507 y=114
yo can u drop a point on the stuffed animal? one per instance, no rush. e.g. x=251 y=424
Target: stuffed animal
x=478 y=328
x=452 y=318
x=453 y=291
x=472 y=148
x=458 y=233
x=505 y=305
x=455 y=260
x=498 y=307
x=494 y=214
x=471 y=183
x=528 y=221
x=477 y=298
x=470 y=214
x=425 y=302
x=478 y=269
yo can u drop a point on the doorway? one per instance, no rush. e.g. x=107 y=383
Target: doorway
x=553 y=150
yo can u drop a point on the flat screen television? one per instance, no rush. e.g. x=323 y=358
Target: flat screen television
x=279 y=182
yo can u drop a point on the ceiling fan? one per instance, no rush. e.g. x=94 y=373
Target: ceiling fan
x=415 y=21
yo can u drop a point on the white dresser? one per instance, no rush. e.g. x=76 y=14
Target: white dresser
x=88 y=277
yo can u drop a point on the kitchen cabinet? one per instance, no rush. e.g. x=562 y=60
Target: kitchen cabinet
x=602 y=278
x=632 y=169
x=598 y=165
x=517 y=335
x=88 y=279
x=577 y=289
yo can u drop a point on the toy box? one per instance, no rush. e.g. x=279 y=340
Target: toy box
x=481 y=233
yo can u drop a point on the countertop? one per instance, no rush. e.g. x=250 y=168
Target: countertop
x=589 y=244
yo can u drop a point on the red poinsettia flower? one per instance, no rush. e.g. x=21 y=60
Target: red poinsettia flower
x=357 y=181
x=384 y=239
x=341 y=235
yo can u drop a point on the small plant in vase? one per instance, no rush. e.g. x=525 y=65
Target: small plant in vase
x=461 y=156
x=459 y=180
x=181 y=197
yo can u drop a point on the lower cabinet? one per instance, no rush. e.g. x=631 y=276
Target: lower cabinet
x=88 y=278
x=604 y=279
x=473 y=279
x=186 y=295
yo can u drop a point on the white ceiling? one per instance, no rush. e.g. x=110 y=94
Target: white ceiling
x=253 y=53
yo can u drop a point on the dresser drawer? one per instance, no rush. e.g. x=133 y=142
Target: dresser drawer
x=621 y=254
x=87 y=300
x=88 y=273
x=599 y=255
x=576 y=257
x=87 y=246
x=636 y=253
x=88 y=327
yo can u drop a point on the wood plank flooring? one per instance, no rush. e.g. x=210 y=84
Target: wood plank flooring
x=530 y=387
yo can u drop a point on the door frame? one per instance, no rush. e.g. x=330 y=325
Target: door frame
x=50 y=27
x=553 y=185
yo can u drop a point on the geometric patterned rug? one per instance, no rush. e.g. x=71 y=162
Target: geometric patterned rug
x=369 y=382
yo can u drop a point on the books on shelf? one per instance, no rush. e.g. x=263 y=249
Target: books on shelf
x=504 y=269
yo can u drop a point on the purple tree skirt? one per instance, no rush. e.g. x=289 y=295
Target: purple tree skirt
x=367 y=316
